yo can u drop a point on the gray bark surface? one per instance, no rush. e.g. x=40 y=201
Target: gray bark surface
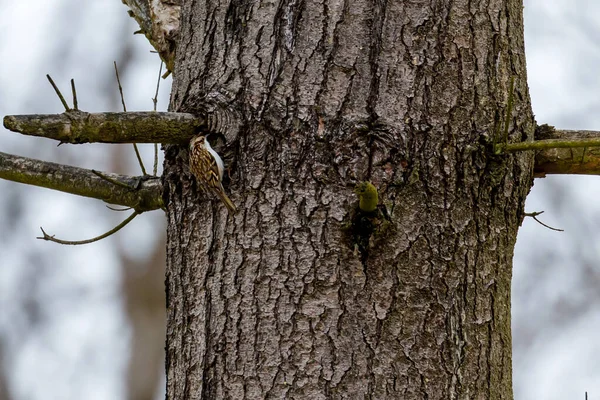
x=281 y=301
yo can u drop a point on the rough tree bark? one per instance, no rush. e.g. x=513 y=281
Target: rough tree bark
x=279 y=301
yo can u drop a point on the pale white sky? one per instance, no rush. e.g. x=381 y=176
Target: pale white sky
x=72 y=341
x=556 y=278
x=62 y=330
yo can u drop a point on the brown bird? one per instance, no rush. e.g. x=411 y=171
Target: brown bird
x=208 y=168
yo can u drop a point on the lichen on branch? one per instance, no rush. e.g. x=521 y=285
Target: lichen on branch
x=75 y=126
x=560 y=151
x=140 y=193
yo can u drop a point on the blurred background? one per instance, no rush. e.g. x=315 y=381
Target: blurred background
x=78 y=322
x=87 y=322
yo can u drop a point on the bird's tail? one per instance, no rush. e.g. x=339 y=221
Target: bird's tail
x=228 y=203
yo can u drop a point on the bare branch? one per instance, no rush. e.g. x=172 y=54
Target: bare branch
x=566 y=143
x=572 y=152
x=535 y=214
x=560 y=151
x=139 y=193
x=75 y=126
x=114 y=230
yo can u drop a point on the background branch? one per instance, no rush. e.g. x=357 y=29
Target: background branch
x=139 y=193
x=159 y=22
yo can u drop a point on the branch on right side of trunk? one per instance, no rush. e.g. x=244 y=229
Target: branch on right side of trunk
x=560 y=151
x=566 y=152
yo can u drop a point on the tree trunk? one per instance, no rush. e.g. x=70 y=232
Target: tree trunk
x=293 y=297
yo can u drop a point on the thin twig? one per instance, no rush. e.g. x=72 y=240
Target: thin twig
x=75 y=103
x=139 y=158
x=155 y=101
x=137 y=152
x=58 y=93
x=95 y=239
x=111 y=180
x=155 y=167
x=120 y=87
x=534 y=216
x=509 y=107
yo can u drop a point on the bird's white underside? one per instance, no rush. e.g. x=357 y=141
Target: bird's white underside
x=217 y=158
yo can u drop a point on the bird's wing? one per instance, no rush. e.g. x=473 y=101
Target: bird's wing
x=213 y=176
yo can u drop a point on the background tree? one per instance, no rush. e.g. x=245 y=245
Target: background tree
x=36 y=223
